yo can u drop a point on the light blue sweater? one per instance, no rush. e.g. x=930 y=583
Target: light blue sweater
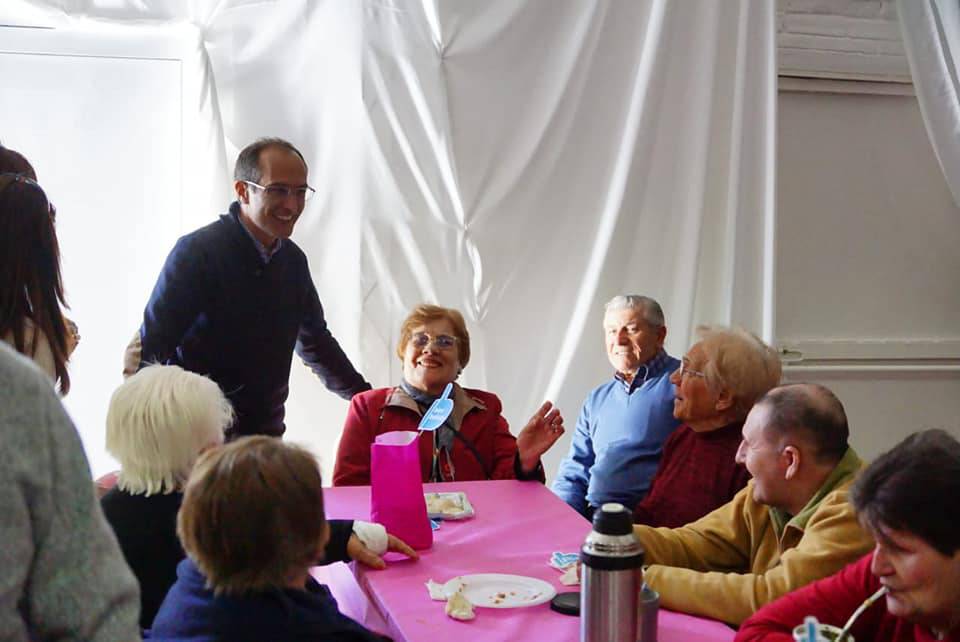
x=618 y=440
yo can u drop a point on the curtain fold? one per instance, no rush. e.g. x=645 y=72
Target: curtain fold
x=520 y=160
x=931 y=38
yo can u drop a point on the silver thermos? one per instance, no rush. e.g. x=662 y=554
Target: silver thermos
x=612 y=576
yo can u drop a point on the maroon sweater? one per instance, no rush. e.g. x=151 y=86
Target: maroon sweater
x=697 y=474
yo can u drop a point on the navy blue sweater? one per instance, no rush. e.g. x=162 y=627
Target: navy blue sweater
x=217 y=309
x=192 y=613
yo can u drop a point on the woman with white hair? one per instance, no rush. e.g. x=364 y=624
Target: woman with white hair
x=719 y=379
x=159 y=422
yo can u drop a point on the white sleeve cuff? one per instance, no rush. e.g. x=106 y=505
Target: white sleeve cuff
x=373 y=536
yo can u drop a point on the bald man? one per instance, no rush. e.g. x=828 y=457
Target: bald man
x=791 y=525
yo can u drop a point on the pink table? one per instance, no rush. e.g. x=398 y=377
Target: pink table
x=517 y=526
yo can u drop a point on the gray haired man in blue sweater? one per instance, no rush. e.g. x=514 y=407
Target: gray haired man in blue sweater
x=235 y=298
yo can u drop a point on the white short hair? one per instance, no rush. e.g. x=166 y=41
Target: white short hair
x=739 y=362
x=159 y=421
x=652 y=312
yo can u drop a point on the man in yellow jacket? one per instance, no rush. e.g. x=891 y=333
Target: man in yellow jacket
x=791 y=525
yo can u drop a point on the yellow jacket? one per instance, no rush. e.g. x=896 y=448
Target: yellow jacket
x=731 y=562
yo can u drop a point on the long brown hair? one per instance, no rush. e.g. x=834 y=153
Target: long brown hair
x=31 y=287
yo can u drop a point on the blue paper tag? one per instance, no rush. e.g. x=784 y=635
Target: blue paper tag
x=434 y=524
x=438 y=412
x=563 y=560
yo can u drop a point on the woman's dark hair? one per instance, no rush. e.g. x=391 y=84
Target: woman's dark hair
x=915 y=487
x=31 y=287
x=16 y=163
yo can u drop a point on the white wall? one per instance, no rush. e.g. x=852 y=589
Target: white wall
x=119 y=191
x=853 y=39
x=867 y=262
x=110 y=254
x=866 y=236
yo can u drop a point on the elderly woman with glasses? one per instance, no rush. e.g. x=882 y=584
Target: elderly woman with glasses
x=31 y=288
x=719 y=379
x=474 y=443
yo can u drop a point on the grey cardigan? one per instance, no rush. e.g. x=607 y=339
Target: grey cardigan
x=62 y=576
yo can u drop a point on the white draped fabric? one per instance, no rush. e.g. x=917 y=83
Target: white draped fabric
x=931 y=37
x=520 y=160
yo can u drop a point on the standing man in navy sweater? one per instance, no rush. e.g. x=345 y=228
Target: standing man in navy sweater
x=623 y=423
x=235 y=298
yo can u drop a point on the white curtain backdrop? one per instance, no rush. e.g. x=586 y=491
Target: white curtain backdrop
x=520 y=160
x=931 y=37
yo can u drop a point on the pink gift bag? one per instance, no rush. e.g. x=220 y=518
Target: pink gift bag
x=396 y=492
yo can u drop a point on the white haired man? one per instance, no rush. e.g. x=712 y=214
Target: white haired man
x=623 y=423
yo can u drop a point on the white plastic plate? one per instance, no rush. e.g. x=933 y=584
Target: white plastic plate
x=499 y=591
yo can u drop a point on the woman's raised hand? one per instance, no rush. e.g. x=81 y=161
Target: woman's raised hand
x=541 y=432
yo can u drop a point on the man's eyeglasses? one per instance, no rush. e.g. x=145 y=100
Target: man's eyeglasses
x=9 y=178
x=686 y=370
x=281 y=192
x=421 y=340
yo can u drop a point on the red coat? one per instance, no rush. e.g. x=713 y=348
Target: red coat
x=832 y=600
x=476 y=414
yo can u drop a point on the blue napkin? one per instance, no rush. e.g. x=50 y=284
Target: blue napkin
x=563 y=560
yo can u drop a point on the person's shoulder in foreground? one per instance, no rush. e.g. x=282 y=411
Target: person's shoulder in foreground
x=790 y=526
x=192 y=612
x=908 y=500
x=63 y=575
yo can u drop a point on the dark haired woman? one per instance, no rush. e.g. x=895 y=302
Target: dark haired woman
x=31 y=288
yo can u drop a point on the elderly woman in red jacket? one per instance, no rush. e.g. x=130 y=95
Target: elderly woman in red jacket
x=475 y=443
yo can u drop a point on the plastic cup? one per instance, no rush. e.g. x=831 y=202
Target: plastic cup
x=825 y=633
x=649 y=607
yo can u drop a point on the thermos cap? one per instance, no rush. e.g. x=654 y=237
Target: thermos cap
x=613 y=519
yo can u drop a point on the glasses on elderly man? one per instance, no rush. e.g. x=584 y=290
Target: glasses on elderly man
x=421 y=340
x=277 y=192
x=685 y=369
x=9 y=178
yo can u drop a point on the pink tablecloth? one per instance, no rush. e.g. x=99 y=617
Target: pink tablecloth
x=517 y=526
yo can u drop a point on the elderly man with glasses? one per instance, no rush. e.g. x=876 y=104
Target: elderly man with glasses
x=235 y=298
x=623 y=423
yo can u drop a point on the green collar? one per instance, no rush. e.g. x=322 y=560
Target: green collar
x=847 y=467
